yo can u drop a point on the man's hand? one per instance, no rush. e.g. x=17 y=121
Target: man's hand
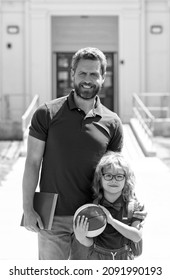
x=32 y=221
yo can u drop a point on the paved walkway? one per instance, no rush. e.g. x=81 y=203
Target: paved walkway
x=16 y=243
x=153 y=187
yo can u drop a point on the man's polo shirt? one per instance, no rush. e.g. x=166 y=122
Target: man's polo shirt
x=75 y=142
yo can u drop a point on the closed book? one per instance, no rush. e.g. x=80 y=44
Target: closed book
x=44 y=204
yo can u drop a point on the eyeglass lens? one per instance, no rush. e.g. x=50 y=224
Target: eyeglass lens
x=109 y=177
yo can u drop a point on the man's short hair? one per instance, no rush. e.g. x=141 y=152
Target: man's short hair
x=89 y=53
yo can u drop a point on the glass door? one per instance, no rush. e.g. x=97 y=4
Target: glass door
x=64 y=82
x=107 y=92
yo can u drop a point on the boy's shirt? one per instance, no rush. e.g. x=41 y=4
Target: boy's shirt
x=110 y=238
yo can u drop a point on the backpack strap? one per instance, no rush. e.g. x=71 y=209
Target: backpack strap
x=130 y=208
x=136 y=247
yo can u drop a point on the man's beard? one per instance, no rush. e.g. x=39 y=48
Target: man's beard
x=88 y=93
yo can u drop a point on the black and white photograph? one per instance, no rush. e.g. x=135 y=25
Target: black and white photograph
x=84 y=139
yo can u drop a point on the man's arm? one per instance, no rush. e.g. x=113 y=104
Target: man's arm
x=35 y=150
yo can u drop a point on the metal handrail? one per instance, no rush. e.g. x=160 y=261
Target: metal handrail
x=26 y=117
x=164 y=103
x=144 y=116
x=155 y=94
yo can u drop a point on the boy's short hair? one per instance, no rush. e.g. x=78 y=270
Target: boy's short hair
x=89 y=53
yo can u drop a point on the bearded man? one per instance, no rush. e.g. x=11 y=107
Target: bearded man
x=67 y=138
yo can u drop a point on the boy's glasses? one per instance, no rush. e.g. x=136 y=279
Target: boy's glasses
x=109 y=177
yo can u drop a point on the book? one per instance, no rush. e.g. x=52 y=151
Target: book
x=44 y=204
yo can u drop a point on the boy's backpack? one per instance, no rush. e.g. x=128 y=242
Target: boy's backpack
x=136 y=247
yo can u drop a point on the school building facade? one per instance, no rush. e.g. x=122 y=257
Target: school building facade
x=39 y=37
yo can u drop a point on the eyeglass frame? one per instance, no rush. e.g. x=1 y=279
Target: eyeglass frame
x=113 y=176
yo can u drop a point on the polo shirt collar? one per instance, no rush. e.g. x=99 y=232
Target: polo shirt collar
x=97 y=110
x=117 y=205
x=71 y=102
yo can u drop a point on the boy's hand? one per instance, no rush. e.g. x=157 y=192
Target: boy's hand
x=81 y=227
x=81 y=230
x=108 y=215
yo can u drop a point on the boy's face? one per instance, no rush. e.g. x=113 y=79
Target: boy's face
x=113 y=186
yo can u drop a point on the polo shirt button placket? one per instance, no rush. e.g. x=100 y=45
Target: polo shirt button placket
x=83 y=119
x=83 y=124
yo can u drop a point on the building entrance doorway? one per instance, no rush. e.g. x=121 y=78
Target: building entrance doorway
x=64 y=81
